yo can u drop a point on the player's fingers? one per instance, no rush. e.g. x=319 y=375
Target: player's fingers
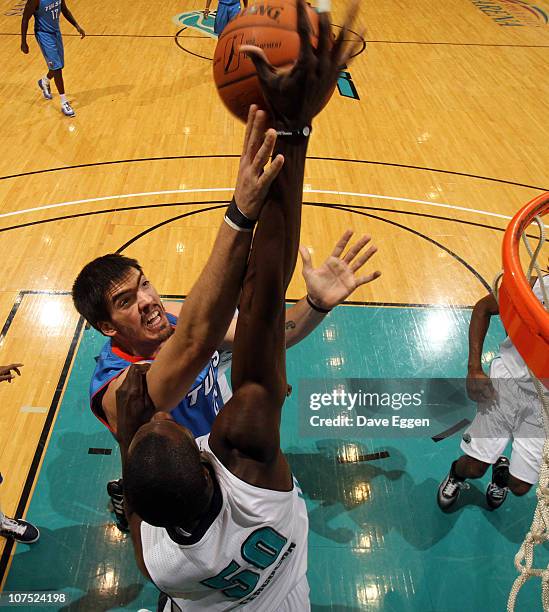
x=7 y=377
x=360 y=261
x=342 y=243
x=342 y=37
x=12 y=366
x=249 y=125
x=324 y=35
x=262 y=65
x=356 y=248
x=305 y=258
x=257 y=137
x=350 y=50
x=487 y=390
x=271 y=172
x=264 y=151
x=368 y=278
x=304 y=31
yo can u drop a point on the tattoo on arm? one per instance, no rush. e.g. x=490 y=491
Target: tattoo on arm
x=290 y=325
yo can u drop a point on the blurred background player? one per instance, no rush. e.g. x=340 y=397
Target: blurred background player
x=226 y=10
x=18 y=529
x=509 y=408
x=48 y=35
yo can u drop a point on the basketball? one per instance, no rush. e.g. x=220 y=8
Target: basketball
x=273 y=28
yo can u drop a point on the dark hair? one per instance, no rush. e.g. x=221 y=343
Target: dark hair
x=165 y=482
x=96 y=278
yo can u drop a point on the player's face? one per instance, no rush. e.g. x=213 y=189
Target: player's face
x=137 y=313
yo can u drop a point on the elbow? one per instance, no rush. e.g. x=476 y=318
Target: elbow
x=201 y=351
x=486 y=307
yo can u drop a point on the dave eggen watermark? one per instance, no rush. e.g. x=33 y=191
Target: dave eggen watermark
x=381 y=407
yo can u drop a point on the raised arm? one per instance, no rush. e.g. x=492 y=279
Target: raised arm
x=327 y=286
x=209 y=308
x=246 y=433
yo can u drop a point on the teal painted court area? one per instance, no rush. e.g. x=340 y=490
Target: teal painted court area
x=377 y=538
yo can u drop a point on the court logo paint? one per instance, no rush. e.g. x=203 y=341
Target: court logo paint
x=513 y=12
x=196 y=21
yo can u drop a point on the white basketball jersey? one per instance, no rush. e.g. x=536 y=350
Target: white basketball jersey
x=252 y=555
x=509 y=355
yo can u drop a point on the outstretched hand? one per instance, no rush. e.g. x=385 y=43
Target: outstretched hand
x=6 y=371
x=254 y=179
x=336 y=279
x=296 y=94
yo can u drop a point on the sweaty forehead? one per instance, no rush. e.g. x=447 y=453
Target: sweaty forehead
x=128 y=281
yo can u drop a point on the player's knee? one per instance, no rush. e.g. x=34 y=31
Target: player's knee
x=476 y=468
x=519 y=487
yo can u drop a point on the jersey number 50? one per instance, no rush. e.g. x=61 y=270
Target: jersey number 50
x=262 y=548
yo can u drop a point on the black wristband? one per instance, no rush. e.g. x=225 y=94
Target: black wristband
x=237 y=219
x=317 y=308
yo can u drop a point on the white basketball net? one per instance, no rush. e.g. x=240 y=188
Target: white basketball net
x=539 y=530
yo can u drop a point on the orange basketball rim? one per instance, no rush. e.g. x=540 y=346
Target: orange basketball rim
x=522 y=314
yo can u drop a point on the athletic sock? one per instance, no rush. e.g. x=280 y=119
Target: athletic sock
x=63 y=98
x=45 y=80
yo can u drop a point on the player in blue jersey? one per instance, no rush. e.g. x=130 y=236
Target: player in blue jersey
x=48 y=35
x=226 y=10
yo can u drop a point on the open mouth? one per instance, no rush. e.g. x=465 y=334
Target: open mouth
x=154 y=319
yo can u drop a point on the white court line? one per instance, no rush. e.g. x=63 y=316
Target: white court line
x=34 y=409
x=220 y=189
x=112 y=197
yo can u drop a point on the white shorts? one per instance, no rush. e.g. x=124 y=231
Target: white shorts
x=514 y=414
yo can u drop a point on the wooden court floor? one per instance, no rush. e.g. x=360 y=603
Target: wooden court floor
x=444 y=140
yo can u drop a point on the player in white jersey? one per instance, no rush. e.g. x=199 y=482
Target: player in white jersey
x=225 y=524
x=509 y=409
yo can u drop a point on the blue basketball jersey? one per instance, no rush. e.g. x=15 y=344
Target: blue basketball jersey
x=196 y=411
x=46 y=17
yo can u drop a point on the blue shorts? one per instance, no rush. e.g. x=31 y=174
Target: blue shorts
x=225 y=12
x=51 y=44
